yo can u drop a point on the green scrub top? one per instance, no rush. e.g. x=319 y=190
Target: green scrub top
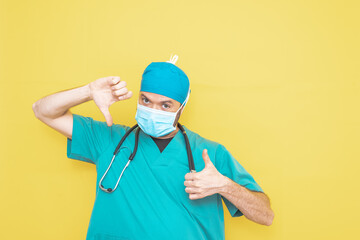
x=150 y=201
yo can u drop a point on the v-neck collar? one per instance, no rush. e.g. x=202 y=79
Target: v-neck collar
x=168 y=156
x=151 y=143
x=162 y=143
x=157 y=158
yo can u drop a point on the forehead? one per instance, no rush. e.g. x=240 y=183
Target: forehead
x=157 y=97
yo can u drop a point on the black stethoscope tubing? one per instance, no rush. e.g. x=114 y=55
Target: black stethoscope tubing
x=188 y=150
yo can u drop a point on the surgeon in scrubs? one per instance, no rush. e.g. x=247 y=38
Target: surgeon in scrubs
x=157 y=196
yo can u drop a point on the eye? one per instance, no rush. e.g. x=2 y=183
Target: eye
x=145 y=100
x=166 y=106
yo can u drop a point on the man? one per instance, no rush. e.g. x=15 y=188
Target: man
x=157 y=197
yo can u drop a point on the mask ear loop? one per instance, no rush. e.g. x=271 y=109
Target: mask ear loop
x=186 y=100
x=183 y=104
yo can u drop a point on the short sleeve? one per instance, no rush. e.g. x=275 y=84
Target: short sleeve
x=89 y=139
x=231 y=168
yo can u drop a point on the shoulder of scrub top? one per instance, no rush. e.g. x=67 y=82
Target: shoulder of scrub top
x=223 y=160
x=198 y=140
x=114 y=126
x=198 y=143
x=115 y=132
x=90 y=138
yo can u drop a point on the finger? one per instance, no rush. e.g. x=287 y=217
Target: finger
x=119 y=85
x=113 y=80
x=191 y=190
x=126 y=96
x=206 y=158
x=120 y=92
x=189 y=183
x=108 y=118
x=194 y=196
x=190 y=176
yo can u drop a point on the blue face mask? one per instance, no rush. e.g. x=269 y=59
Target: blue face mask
x=154 y=122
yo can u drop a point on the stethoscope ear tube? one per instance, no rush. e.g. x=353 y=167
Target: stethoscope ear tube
x=110 y=190
x=188 y=149
x=136 y=144
x=123 y=139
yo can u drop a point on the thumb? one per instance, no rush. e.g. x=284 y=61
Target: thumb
x=106 y=113
x=206 y=158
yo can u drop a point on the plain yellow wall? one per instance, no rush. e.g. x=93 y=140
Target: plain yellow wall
x=276 y=82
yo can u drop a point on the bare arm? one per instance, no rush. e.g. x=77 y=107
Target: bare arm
x=254 y=205
x=54 y=111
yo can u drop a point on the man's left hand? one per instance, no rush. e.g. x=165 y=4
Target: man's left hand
x=206 y=182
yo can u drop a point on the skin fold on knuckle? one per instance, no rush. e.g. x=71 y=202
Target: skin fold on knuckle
x=116 y=80
x=125 y=96
x=116 y=87
x=122 y=84
x=120 y=92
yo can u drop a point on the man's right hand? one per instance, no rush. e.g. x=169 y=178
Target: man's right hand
x=106 y=91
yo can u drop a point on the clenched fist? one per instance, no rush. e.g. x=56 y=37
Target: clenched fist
x=106 y=91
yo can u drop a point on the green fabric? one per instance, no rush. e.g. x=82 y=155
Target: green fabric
x=150 y=201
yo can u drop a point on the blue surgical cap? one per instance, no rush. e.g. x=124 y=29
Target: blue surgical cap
x=167 y=79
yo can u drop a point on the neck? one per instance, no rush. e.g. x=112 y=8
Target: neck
x=170 y=135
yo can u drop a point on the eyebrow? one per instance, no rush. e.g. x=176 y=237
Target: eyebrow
x=166 y=101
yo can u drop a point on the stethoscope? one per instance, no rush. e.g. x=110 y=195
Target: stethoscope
x=188 y=149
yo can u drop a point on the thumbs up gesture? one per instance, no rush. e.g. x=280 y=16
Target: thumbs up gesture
x=106 y=91
x=206 y=182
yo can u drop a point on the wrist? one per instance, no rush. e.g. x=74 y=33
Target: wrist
x=224 y=185
x=88 y=92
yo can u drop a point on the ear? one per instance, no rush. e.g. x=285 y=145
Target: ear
x=178 y=116
x=182 y=109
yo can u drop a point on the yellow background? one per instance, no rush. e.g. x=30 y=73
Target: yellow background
x=276 y=82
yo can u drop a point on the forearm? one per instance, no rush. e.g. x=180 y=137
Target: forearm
x=254 y=205
x=57 y=104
